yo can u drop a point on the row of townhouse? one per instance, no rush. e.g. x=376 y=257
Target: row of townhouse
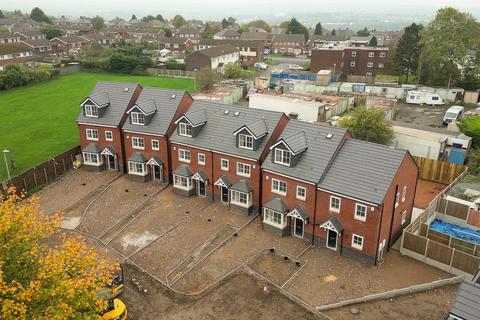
x=304 y=180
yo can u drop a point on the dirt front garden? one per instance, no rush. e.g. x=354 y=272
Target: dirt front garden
x=426 y=192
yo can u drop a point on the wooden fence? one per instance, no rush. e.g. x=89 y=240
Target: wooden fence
x=438 y=170
x=171 y=73
x=44 y=173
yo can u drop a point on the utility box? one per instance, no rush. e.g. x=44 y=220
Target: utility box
x=456 y=156
x=324 y=77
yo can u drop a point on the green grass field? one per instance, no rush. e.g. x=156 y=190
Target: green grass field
x=38 y=121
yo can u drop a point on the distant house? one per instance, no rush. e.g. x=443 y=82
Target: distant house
x=288 y=43
x=7 y=37
x=176 y=45
x=70 y=45
x=251 y=51
x=14 y=53
x=31 y=35
x=214 y=58
x=41 y=46
x=97 y=38
x=190 y=33
x=226 y=34
x=265 y=37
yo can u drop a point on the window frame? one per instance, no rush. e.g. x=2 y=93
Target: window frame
x=242 y=173
x=272 y=217
x=91 y=137
x=198 y=158
x=183 y=158
x=355 y=245
x=158 y=144
x=136 y=116
x=135 y=165
x=88 y=108
x=137 y=145
x=106 y=136
x=371 y=54
x=369 y=64
x=333 y=209
x=282 y=152
x=360 y=217
x=97 y=156
x=188 y=182
x=404 y=193
x=278 y=190
x=222 y=167
x=247 y=137
x=304 y=198
x=234 y=195
x=184 y=128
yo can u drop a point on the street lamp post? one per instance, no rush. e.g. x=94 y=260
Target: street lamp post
x=195 y=80
x=5 y=152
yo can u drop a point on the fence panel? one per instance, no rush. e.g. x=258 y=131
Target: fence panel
x=438 y=170
x=463 y=246
x=415 y=243
x=439 y=252
x=439 y=237
x=457 y=210
x=465 y=262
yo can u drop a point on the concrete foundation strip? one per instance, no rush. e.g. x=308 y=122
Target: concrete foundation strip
x=394 y=293
x=90 y=204
x=294 y=275
x=170 y=229
x=131 y=215
x=304 y=250
x=213 y=250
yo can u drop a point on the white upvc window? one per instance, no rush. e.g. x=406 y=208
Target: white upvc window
x=137 y=118
x=369 y=64
x=137 y=168
x=404 y=193
x=282 y=157
x=138 y=143
x=274 y=218
x=360 y=212
x=279 y=187
x=245 y=141
x=371 y=54
x=92 y=134
x=381 y=65
x=183 y=183
x=155 y=145
x=335 y=204
x=354 y=54
x=240 y=198
x=301 y=193
x=93 y=159
x=243 y=169
x=383 y=54
x=224 y=164
x=404 y=216
x=184 y=155
x=397 y=198
x=91 y=111
x=357 y=241
x=352 y=63
x=201 y=158
x=184 y=129
x=108 y=135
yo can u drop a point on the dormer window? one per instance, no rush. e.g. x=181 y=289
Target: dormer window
x=282 y=157
x=91 y=111
x=138 y=118
x=245 y=141
x=185 y=129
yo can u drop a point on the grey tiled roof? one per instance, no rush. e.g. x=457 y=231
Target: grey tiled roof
x=183 y=170
x=333 y=220
x=197 y=116
x=363 y=170
x=258 y=127
x=157 y=160
x=92 y=148
x=466 y=304
x=137 y=157
x=111 y=149
x=213 y=52
x=300 y=38
x=38 y=43
x=225 y=180
x=276 y=204
x=119 y=100
x=217 y=133
x=202 y=175
x=297 y=141
x=164 y=101
x=302 y=212
x=101 y=98
x=313 y=161
x=242 y=186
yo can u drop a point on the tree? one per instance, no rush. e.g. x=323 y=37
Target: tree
x=148 y=18
x=408 y=50
x=232 y=71
x=224 y=23
x=98 y=23
x=206 y=78
x=368 y=125
x=51 y=32
x=373 y=42
x=363 y=33
x=470 y=126
x=231 y=21
x=450 y=47
x=134 y=17
x=295 y=27
x=210 y=29
x=38 y=15
x=259 y=24
x=333 y=33
x=284 y=24
x=43 y=273
x=1 y=15
x=318 y=29
x=473 y=156
x=179 y=21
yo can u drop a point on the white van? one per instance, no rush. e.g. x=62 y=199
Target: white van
x=453 y=113
x=424 y=97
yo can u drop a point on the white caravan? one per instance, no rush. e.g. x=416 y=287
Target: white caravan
x=423 y=97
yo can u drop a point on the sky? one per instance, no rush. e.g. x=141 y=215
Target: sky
x=217 y=9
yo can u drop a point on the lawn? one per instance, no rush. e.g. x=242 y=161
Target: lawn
x=38 y=121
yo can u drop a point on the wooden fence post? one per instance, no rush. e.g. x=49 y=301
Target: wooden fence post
x=54 y=168
x=64 y=167
x=25 y=185
x=45 y=174
x=35 y=178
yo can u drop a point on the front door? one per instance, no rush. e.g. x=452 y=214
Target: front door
x=157 y=173
x=111 y=163
x=224 y=195
x=201 y=188
x=298 y=227
x=332 y=239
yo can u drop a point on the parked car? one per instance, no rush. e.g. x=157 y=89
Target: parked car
x=261 y=66
x=453 y=113
x=266 y=51
x=295 y=67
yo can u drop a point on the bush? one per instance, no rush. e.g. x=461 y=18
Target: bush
x=232 y=71
x=172 y=64
x=470 y=126
x=19 y=75
x=121 y=62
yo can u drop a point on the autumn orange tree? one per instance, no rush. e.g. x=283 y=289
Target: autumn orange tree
x=45 y=274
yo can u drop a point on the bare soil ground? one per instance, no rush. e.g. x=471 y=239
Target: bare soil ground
x=165 y=253
x=163 y=212
x=233 y=253
x=329 y=278
x=426 y=191
x=71 y=188
x=275 y=267
x=428 y=305
x=122 y=196
x=422 y=115
x=239 y=297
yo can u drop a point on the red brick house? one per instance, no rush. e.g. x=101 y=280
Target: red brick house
x=99 y=123
x=217 y=152
x=292 y=44
x=350 y=196
x=15 y=53
x=150 y=123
